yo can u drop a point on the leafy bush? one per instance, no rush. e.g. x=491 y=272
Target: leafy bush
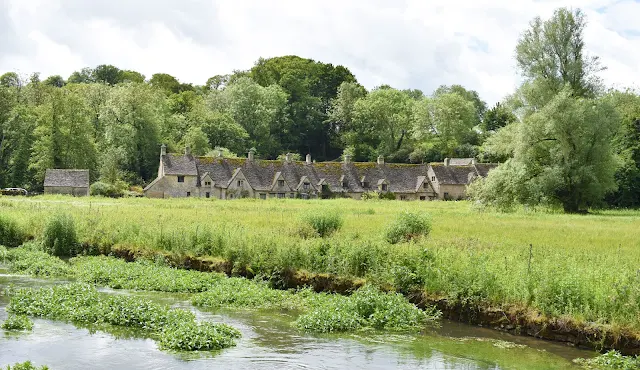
x=611 y=360
x=407 y=226
x=324 y=224
x=17 y=323
x=174 y=329
x=387 y=196
x=108 y=190
x=370 y=195
x=60 y=237
x=27 y=365
x=10 y=233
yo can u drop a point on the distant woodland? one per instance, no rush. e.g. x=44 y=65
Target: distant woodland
x=562 y=138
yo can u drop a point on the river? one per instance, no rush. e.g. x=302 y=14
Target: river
x=270 y=342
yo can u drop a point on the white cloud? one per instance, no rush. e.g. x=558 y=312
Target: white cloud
x=407 y=44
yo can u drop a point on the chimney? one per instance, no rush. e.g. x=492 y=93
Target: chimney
x=251 y=152
x=187 y=150
x=473 y=161
x=308 y=158
x=347 y=158
x=446 y=161
x=289 y=155
x=219 y=153
x=163 y=150
x=380 y=159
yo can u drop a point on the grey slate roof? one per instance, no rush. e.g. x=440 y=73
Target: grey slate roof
x=261 y=174
x=484 y=168
x=66 y=178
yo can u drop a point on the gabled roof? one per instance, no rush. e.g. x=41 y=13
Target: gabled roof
x=182 y=165
x=484 y=168
x=453 y=175
x=67 y=178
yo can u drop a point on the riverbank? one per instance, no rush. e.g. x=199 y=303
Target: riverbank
x=559 y=273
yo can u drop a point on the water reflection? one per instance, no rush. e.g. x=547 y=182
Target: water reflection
x=270 y=342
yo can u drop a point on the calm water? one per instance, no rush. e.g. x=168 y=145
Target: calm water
x=270 y=342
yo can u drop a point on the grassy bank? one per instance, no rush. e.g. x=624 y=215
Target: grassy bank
x=583 y=268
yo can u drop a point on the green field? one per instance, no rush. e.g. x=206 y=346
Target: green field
x=580 y=266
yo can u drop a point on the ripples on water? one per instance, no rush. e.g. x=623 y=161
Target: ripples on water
x=269 y=342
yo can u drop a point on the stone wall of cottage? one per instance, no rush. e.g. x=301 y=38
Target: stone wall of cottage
x=452 y=192
x=169 y=187
x=67 y=190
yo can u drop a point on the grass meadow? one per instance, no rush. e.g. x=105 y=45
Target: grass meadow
x=585 y=267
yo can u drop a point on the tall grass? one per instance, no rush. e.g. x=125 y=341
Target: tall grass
x=584 y=267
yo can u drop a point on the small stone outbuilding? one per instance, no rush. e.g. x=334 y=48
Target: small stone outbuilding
x=67 y=181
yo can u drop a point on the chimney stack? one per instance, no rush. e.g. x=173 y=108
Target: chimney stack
x=446 y=162
x=219 y=153
x=347 y=158
x=251 y=152
x=187 y=150
x=289 y=155
x=473 y=161
x=163 y=150
x=308 y=158
x=380 y=159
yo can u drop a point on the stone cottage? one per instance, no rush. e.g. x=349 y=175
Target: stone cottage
x=186 y=175
x=66 y=181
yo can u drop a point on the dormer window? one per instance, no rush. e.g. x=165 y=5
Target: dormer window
x=281 y=183
x=425 y=185
x=207 y=183
x=365 y=184
x=305 y=186
x=433 y=178
x=345 y=184
x=384 y=187
x=240 y=183
x=180 y=178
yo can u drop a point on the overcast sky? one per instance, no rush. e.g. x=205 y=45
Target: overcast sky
x=404 y=43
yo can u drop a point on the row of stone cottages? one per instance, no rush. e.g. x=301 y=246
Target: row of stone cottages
x=186 y=175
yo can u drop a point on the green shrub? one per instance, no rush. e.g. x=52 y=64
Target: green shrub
x=370 y=195
x=10 y=233
x=408 y=226
x=324 y=224
x=17 y=323
x=387 y=196
x=108 y=190
x=60 y=237
x=610 y=360
x=27 y=365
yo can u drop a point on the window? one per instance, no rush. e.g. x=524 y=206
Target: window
x=207 y=194
x=403 y=197
x=305 y=186
x=180 y=178
x=345 y=184
x=280 y=183
x=207 y=183
x=365 y=184
x=433 y=178
x=240 y=183
x=263 y=196
x=425 y=185
x=384 y=187
x=188 y=193
x=230 y=196
x=305 y=196
x=281 y=195
x=446 y=196
x=292 y=195
x=423 y=198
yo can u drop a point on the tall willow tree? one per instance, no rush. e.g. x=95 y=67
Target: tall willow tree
x=561 y=151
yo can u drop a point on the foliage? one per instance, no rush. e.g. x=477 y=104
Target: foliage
x=27 y=365
x=108 y=190
x=142 y=275
x=367 y=308
x=10 y=233
x=174 y=329
x=610 y=360
x=408 y=226
x=29 y=260
x=59 y=237
x=243 y=293
x=325 y=223
x=17 y=323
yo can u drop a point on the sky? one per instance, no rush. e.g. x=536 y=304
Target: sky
x=416 y=44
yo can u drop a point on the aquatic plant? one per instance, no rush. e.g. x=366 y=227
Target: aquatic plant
x=141 y=275
x=17 y=323
x=27 y=365
x=367 y=308
x=81 y=303
x=243 y=293
x=28 y=260
x=407 y=226
x=59 y=237
x=610 y=360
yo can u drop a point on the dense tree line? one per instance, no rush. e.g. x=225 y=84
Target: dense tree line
x=561 y=138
